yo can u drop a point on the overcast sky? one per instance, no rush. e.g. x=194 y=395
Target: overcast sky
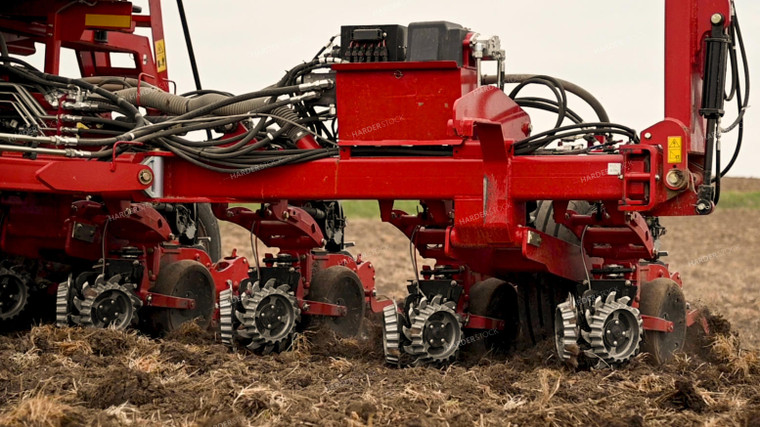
x=612 y=48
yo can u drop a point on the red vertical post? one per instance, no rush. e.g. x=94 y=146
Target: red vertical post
x=53 y=45
x=687 y=22
x=159 y=45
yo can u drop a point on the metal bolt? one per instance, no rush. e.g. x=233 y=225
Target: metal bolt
x=442 y=341
x=647 y=135
x=617 y=322
x=716 y=19
x=614 y=343
x=609 y=331
x=625 y=334
x=285 y=215
x=145 y=176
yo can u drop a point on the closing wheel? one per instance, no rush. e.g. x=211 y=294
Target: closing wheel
x=497 y=299
x=391 y=335
x=13 y=294
x=270 y=317
x=566 y=332
x=663 y=298
x=104 y=303
x=185 y=279
x=436 y=332
x=111 y=308
x=616 y=330
x=339 y=285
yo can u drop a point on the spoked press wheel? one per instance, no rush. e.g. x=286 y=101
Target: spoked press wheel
x=185 y=279
x=497 y=299
x=269 y=321
x=339 y=285
x=435 y=332
x=663 y=298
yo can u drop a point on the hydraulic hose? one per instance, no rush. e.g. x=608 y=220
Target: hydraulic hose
x=570 y=87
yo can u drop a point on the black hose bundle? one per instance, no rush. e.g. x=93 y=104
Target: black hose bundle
x=268 y=121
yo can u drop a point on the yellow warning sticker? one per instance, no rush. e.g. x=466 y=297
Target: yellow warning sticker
x=675 y=149
x=108 y=21
x=160 y=56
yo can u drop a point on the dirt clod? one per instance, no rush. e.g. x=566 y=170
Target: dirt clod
x=122 y=385
x=686 y=397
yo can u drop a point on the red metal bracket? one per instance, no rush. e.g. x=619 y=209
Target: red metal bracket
x=651 y=323
x=473 y=321
x=376 y=305
x=695 y=316
x=167 y=301
x=314 y=308
x=639 y=184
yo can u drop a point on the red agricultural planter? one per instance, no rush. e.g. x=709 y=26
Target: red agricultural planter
x=111 y=188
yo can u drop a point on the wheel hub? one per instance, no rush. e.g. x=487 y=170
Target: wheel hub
x=112 y=307
x=616 y=332
x=439 y=332
x=274 y=315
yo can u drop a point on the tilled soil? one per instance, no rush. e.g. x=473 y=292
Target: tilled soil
x=72 y=377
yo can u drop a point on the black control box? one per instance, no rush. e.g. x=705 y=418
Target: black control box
x=436 y=41
x=373 y=43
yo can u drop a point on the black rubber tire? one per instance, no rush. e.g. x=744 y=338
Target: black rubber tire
x=338 y=285
x=545 y=219
x=663 y=298
x=492 y=298
x=208 y=226
x=187 y=279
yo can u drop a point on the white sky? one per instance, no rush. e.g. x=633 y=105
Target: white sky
x=613 y=49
